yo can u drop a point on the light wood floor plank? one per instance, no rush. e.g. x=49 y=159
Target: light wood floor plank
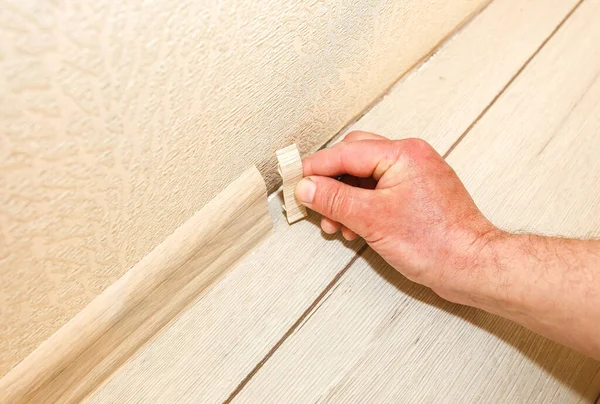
x=444 y=96
x=226 y=335
x=531 y=163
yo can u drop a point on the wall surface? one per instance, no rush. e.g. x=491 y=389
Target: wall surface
x=121 y=119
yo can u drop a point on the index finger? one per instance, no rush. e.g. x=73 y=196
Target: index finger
x=362 y=135
x=362 y=158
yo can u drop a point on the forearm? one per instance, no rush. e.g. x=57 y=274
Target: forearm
x=549 y=285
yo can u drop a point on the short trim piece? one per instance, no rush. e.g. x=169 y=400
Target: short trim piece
x=290 y=169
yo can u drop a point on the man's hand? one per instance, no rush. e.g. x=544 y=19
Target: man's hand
x=406 y=202
x=412 y=209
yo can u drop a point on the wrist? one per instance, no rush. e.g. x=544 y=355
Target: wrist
x=490 y=289
x=502 y=277
x=468 y=271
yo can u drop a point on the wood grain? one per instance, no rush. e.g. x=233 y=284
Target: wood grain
x=121 y=119
x=82 y=354
x=290 y=169
x=225 y=337
x=531 y=163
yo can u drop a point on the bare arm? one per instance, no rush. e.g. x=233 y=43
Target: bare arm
x=549 y=285
x=412 y=209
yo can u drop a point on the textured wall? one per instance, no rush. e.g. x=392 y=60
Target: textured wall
x=119 y=119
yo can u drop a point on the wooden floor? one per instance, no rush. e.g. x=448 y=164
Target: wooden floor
x=513 y=103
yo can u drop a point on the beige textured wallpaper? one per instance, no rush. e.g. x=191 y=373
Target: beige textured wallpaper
x=119 y=119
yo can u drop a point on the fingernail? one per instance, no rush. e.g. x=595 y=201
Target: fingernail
x=305 y=190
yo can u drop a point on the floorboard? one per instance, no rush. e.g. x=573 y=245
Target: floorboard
x=531 y=163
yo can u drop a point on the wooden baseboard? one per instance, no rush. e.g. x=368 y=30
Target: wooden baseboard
x=82 y=354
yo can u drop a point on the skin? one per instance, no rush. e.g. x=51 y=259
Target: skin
x=412 y=209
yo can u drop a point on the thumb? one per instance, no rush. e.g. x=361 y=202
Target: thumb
x=348 y=205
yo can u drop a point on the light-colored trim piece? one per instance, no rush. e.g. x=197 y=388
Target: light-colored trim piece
x=82 y=354
x=290 y=169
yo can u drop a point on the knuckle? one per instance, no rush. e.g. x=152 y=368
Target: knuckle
x=356 y=135
x=352 y=135
x=416 y=148
x=417 y=144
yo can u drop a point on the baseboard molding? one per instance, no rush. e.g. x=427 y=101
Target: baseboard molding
x=82 y=354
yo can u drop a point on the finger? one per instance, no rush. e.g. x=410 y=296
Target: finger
x=364 y=159
x=356 y=135
x=350 y=206
x=349 y=234
x=329 y=226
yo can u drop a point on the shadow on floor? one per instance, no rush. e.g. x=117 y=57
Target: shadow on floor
x=540 y=350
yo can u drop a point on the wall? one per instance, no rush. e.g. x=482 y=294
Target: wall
x=121 y=119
